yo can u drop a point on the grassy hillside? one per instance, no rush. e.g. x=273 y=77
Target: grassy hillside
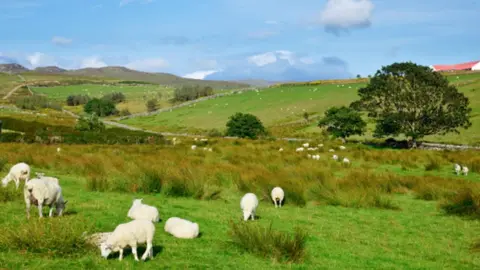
x=287 y=103
x=385 y=211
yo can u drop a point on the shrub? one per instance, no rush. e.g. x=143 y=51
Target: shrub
x=9 y=194
x=476 y=246
x=343 y=122
x=266 y=242
x=36 y=102
x=214 y=133
x=90 y=123
x=465 y=203
x=100 y=107
x=56 y=237
x=75 y=100
x=245 y=126
x=124 y=112
x=432 y=165
x=152 y=105
x=187 y=93
x=115 y=97
x=3 y=162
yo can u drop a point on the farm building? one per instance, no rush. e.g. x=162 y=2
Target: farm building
x=475 y=65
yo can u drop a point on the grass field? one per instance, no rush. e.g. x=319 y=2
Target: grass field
x=282 y=104
x=402 y=227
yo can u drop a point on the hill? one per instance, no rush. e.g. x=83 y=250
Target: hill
x=12 y=68
x=50 y=69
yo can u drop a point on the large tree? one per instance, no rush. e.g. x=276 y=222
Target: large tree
x=245 y=125
x=343 y=122
x=410 y=99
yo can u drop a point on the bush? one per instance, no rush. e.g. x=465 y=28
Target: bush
x=100 y=107
x=214 y=133
x=115 y=97
x=187 y=93
x=152 y=105
x=245 y=126
x=75 y=100
x=57 y=237
x=125 y=112
x=36 y=102
x=9 y=194
x=464 y=203
x=90 y=123
x=266 y=242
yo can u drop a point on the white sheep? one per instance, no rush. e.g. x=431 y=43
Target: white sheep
x=249 y=204
x=194 y=147
x=306 y=145
x=59 y=149
x=316 y=157
x=342 y=147
x=210 y=150
x=457 y=169
x=300 y=149
x=465 y=170
x=143 y=211
x=309 y=156
x=130 y=234
x=277 y=195
x=331 y=150
x=335 y=157
x=18 y=172
x=43 y=192
x=182 y=228
x=320 y=145
x=204 y=140
x=49 y=178
x=280 y=150
x=346 y=161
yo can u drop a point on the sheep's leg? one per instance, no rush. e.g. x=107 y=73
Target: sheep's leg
x=40 y=208
x=134 y=252
x=50 y=214
x=27 y=203
x=280 y=204
x=148 y=251
x=120 y=257
x=253 y=215
x=275 y=201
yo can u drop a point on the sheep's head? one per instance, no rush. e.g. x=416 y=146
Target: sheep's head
x=105 y=249
x=246 y=214
x=60 y=207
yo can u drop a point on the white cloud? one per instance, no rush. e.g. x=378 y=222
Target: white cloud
x=306 y=60
x=262 y=59
x=153 y=64
x=200 y=75
x=346 y=14
x=126 y=2
x=39 y=59
x=286 y=55
x=61 y=41
x=271 y=22
x=92 y=62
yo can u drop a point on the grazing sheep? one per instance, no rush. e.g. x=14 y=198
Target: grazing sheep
x=194 y=147
x=210 y=150
x=457 y=169
x=342 y=147
x=204 y=140
x=181 y=228
x=249 y=204
x=331 y=150
x=316 y=157
x=320 y=145
x=18 y=172
x=335 y=157
x=59 y=149
x=277 y=195
x=346 y=161
x=300 y=149
x=143 y=211
x=306 y=145
x=130 y=234
x=280 y=150
x=42 y=192
x=465 y=170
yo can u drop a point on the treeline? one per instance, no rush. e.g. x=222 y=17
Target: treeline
x=187 y=93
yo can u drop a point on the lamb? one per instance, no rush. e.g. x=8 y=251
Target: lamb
x=181 y=228
x=249 y=204
x=465 y=170
x=18 y=172
x=43 y=192
x=316 y=157
x=130 y=234
x=143 y=211
x=277 y=195
x=457 y=169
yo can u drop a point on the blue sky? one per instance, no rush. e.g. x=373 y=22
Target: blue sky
x=239 y=39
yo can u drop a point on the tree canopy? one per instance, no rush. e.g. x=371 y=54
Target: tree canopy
x=410 y=99
x=245 y=126
x=343 y=122
x=100 y=106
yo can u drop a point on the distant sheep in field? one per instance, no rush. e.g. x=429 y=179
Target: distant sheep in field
x=331 y=150
x=306 y=145
x=204 y=140
x=320 y=145
x=280 y=150
x=457 y=169
x=130 y=234
x=18 y=172
x=300 y=149
x=316 y=157
x=346 y=161
x=342 y=147
x=194 y=147
x=249 y=204
x=182 y=228
x=59 y=149
x=138 y=210
x=465 y=170
x=335 y=157
x=277 y=195
x=42 y=192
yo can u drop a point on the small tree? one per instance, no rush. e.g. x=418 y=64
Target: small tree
x=245 y=126
x=343 y=122
x=152 y=105
x=100 y=107
x=410 y=99
x=359 y=76
x=90 y=123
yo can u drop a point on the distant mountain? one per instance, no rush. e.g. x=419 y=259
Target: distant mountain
x=12 y=68
x=258 y=83
x=50 y=69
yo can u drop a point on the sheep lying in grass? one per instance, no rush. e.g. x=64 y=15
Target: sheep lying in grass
x=277 y=195
x=18 y=172
x=457 y=169
x=181 y=228
x=143 y=211
x=465 y=170
x=130 y=234
x=42 y=192
x=249 y=204
x=280 y=150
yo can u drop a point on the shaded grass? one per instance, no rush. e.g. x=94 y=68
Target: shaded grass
x=9 y=193
x=266 y=242
x=464 y=203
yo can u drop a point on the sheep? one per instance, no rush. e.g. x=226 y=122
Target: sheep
x=465 y=170
x=249 y=204
x=181 y=228
x=210 y=150
x=320 y=145
x=335 y=157
x=18 y=172
x=331 y=150
x=346 y=161
x=194 y=147
x=42 y=192
x=138 y=210
x=306 y=145
x=204 y=140
x=42 y=176
x=280 y=150
x=300 y=149
x=342 y=147
x=277 y=195
x=59 y=149
x=130 y=234
x=316 y=157
x=309 y=156
x=457 y=169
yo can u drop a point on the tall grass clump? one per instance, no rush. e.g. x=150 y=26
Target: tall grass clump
x=266 y=242
x=476 y=246
x=55 y=237
x=432 y=165
x=465 y=203
x=9 y=194
x=3 y=163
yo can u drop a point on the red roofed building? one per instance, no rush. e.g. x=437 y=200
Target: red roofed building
x=475 y=65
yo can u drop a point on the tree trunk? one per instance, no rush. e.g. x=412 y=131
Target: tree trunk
x=414 y=143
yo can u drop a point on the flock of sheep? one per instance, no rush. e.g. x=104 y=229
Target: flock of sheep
x=46 y=191
x=345 y=160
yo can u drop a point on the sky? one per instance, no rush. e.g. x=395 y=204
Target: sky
x=276 y=40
